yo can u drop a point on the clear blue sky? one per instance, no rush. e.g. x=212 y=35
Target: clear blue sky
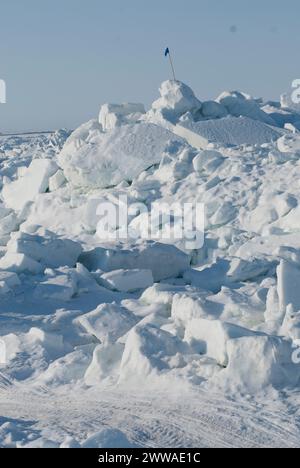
x=62 y=58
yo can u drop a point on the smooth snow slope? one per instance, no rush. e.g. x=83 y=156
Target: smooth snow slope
x=233 y=131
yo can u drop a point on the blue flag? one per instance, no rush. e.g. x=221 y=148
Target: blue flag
x=167 y=52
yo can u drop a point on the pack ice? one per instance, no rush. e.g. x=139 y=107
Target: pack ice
x=84 y=317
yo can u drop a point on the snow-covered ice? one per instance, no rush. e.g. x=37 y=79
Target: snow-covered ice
x=35 y=180
x=230 y=131
x=151 y=342
x=127 y=280
x=116 y=115
x=107 y=323
x=91 y=158
x=164 y=261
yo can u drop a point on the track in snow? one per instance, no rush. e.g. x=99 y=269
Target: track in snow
x=198 y=419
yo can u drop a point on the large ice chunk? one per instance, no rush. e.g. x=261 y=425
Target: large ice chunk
x=188 y=307
x=127 y=280
x=115 y=115
x=49 y=250
x=248 y=270
x=8 y=224
x=20 y=263
x=241 y=104
x=107 y=323
x=211 y=337
x=213 y=110
x=59 y=286
x=146 y=352
x=256 y=362
x=57 y=181
x=91 y=158
x=176 y=99
x=162 y=293
x=288 y=277
x=25 y=189
x=105 y=363
x=165 y=261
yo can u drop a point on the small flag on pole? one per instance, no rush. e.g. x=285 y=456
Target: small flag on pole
x=168 y=54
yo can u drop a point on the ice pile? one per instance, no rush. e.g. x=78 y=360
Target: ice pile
x=240 y=104
x=79 y=310
x=176 y=100
x=234 y=118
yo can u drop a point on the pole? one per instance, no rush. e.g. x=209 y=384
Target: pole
x=172 y=65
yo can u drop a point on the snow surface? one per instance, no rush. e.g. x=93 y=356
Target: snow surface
x=143 y=342
x=232 y=131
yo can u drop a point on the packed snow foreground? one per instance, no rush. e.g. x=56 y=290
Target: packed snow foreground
x=84 y=315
